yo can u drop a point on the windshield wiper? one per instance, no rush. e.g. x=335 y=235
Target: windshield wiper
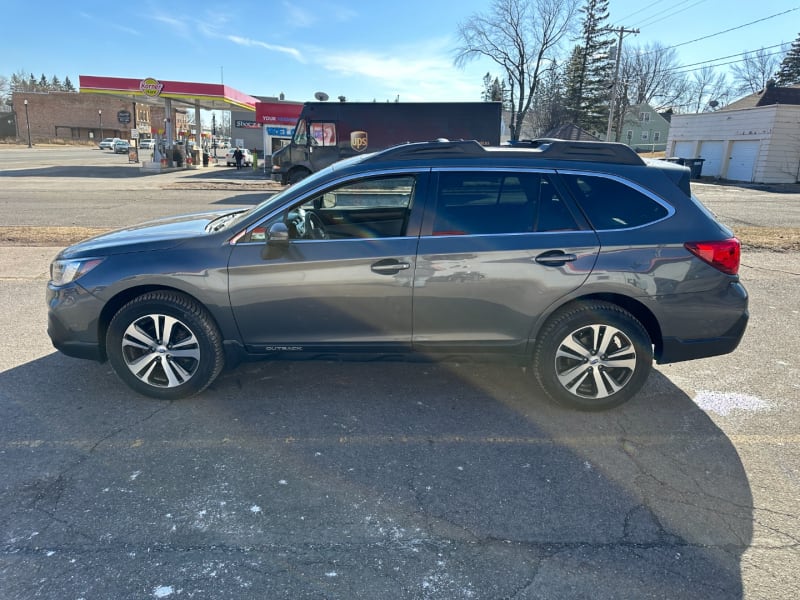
x=223 y=221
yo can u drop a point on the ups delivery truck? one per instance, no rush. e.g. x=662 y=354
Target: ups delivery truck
x=329 y=131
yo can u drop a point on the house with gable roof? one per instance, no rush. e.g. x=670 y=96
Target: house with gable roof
x=644 y=129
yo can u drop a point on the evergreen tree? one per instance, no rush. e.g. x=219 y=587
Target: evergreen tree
x=589 y=69
x=789 y=72
x=55 y=84
x=68 y=87
x=44 y=84
x=573 y=86
x=494 y=90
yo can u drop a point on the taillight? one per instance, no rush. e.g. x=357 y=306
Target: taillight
x=723 y=255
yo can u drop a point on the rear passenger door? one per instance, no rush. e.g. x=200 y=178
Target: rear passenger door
x=497 y=249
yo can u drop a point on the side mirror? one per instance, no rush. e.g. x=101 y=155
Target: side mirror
x=278 y=235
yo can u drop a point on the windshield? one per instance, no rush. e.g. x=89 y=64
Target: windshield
x=300 y=133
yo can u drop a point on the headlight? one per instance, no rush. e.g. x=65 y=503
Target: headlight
x=64 y=271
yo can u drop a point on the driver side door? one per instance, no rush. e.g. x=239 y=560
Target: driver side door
x=344 y=280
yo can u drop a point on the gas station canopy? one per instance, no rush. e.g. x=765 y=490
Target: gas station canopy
x=208 y=96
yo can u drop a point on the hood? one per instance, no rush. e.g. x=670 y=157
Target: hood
x=145 y=237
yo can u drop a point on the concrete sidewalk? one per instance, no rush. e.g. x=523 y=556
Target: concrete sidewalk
x=26 y=262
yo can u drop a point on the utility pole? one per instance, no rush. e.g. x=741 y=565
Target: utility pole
x=621 y=31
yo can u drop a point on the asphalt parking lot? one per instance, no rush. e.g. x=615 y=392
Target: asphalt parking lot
x=387 y=479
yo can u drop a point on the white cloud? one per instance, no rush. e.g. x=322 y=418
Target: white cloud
x=423 y=72
x=293 y=52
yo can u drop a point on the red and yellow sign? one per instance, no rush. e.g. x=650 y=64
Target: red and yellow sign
x=151 y=87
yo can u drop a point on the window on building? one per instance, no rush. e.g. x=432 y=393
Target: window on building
x=629 y=134
x=656 y=136
x=645 y=136
x=644 y=117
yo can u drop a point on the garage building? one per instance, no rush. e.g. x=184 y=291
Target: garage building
x=755 y=139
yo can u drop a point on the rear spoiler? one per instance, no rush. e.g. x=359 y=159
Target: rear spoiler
x=679 y=174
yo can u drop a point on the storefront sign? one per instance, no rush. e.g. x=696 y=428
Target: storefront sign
x=151 y=87
x=246 y=124
x=124 y=116
x=277 y=113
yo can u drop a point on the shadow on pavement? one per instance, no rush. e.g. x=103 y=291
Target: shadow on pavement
x=390 y=479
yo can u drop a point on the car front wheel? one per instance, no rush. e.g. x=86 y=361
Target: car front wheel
x=165 y=345
x=592 y=356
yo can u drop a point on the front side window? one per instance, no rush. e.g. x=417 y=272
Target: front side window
x=476 y=203
x=611 y=204
x=376 y=207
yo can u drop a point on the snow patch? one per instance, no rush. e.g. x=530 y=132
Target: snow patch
x=724 y=403
x=163 y=591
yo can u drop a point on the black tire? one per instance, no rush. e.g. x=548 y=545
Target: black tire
x=166 y=369
x=592 y=356
x=297 y=175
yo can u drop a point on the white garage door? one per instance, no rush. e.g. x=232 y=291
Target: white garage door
x=743 y=160
x=684 y=150
x=712 y=153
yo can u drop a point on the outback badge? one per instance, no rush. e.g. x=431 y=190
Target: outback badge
x=358 y=140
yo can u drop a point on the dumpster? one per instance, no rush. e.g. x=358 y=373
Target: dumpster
x=695 y=164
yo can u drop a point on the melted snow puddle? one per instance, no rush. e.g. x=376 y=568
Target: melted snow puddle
x=724 y=403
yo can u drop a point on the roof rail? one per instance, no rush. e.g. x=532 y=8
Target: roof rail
x=582 y=150
x=546 y=148
x=440 y=148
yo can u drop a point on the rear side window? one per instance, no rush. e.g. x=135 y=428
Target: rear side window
x=475 y=203
x=610 y=204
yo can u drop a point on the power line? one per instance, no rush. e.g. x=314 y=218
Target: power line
x=626 y=17
x=731 y=62
x=651 y=20
x=727 y=30
x=742 y=54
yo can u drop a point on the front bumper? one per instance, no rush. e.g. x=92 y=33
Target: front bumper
x=72 y=322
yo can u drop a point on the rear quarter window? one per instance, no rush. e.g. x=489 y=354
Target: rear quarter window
x=611 y=204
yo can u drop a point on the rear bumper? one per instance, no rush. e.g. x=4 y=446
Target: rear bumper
x=677 y=350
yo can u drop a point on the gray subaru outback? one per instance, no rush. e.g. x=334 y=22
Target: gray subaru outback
x=578 y=259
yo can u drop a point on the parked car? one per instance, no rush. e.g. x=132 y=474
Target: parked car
x=107 y=143
x=121 y=147
x=147 y=144
x=578 y=259
x=247 y=159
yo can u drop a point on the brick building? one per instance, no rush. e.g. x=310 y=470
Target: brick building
x=83 y=117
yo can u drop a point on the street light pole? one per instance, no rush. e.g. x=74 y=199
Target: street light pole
x=28 y=123
x=100 y=114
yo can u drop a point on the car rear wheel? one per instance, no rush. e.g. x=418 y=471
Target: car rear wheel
x=165 y=345
x=592 y=356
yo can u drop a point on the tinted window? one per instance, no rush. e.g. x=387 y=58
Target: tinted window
x=492 y=203
x=609 y=204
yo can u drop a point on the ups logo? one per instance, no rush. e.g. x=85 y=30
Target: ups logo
x=358 y=140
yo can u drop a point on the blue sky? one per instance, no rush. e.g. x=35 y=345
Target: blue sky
x=365 y=51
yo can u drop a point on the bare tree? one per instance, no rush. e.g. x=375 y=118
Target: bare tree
x=755 y=69
x=652 y=74
x=524 y=38
x=708 y=90
x=5 y=90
